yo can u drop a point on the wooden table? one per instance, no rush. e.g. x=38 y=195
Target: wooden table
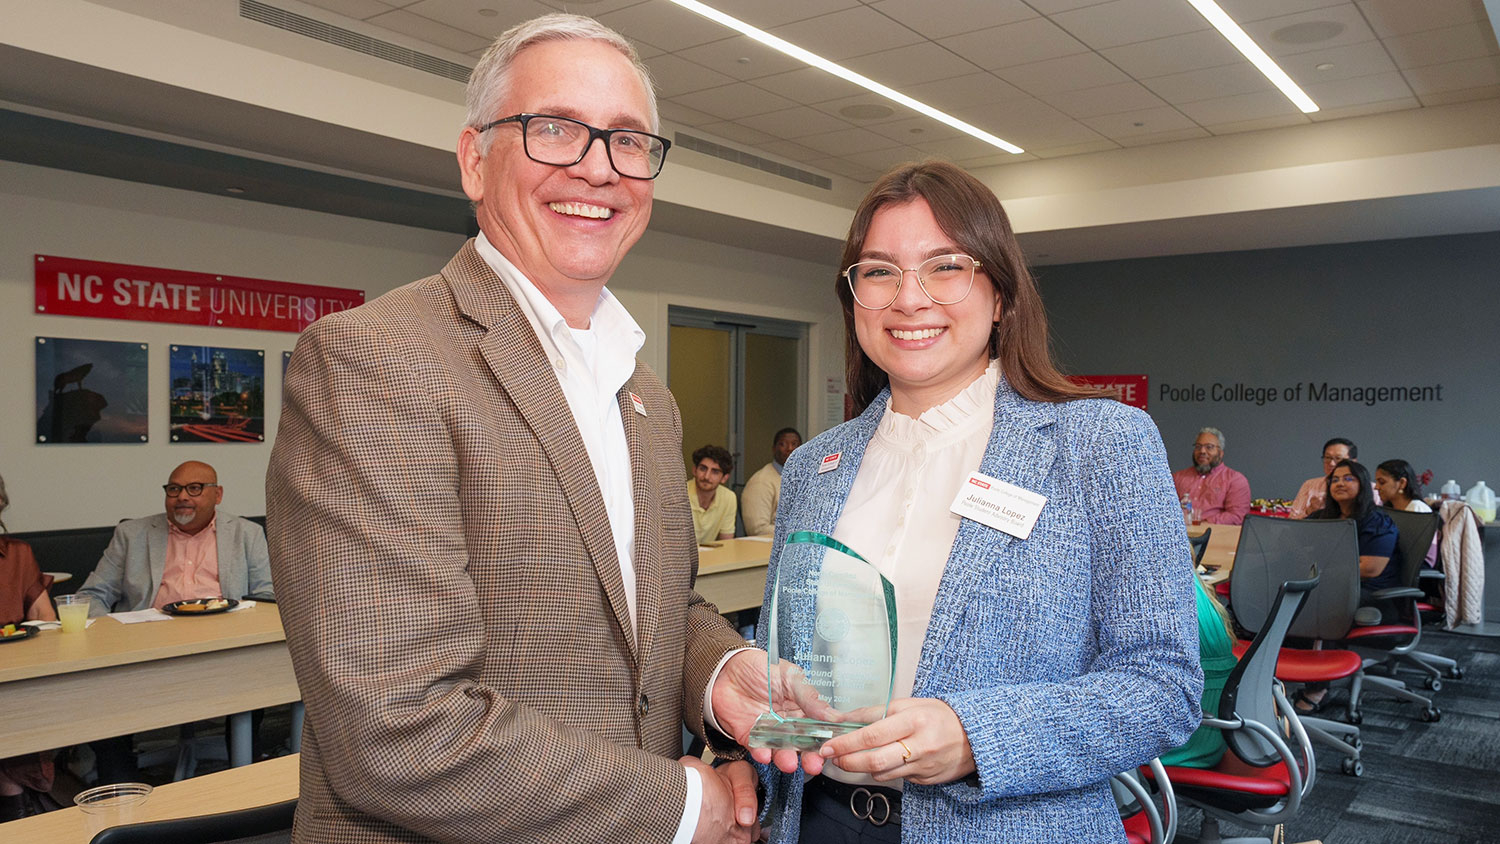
x=1219 y=558
x=261 y=784
x=733 y=574
x=116 y=679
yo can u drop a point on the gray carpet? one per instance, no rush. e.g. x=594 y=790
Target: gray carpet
x=1423 y=783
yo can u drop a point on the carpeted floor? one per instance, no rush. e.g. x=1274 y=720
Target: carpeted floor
x=1423 y=783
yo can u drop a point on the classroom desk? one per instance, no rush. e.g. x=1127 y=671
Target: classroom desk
x=116 y=679
x=733 y=574
x=1219 y=558
x=261 y=784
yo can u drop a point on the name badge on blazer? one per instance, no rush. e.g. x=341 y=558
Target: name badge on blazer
x=1002 y=506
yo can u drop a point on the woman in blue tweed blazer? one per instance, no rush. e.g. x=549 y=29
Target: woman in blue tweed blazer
x=1048 y=663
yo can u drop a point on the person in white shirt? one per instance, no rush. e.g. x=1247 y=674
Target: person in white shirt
x=762 y=492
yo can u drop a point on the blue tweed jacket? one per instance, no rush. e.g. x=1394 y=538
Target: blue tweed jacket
x=1068 y=656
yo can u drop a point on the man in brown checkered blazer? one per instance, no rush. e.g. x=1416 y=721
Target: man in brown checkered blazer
x=478 y=527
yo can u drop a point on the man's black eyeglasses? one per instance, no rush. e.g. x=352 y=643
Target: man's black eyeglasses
x=563 y=142
x=194 y=490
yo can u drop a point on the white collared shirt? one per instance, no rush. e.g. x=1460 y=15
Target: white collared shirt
x=591 y=365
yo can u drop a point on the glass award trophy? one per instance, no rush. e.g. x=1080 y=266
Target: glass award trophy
x=830 y=644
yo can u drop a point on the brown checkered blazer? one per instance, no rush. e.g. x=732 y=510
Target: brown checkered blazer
x=450 y=588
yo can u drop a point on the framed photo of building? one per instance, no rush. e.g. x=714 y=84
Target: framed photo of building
x=217 y=395
x=90 y=391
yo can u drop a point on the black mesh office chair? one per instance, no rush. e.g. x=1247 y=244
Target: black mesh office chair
x=1199 y=544
x=260 y=825
x=1415 y=533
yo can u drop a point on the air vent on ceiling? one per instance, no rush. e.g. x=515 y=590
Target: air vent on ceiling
x=775 y=168
x=350 y=40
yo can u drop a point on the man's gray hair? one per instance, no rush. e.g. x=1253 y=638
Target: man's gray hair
x=490 y=80
x=1219 y=435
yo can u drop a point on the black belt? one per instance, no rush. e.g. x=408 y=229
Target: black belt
x=873 y=804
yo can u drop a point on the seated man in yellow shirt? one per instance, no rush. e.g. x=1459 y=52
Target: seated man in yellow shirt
x=713 y=503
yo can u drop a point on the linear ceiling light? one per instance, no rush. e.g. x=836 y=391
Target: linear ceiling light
x=821 y=63
x=1252 y=51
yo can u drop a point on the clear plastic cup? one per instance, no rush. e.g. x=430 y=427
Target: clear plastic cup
x=113 y=805
x=73 y=612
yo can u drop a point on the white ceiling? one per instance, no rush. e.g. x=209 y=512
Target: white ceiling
x=1058 y=77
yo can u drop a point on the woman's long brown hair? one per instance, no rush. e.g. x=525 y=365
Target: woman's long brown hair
x=968 y=212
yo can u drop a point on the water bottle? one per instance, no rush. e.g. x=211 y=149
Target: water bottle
x=1481 y=499
x=1189 y=515
x=1451 y=491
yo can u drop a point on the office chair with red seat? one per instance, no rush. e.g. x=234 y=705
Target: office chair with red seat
x=1148 y=824
x=1414 y=536
x=1250 y=710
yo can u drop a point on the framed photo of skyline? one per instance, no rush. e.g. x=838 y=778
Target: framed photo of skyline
x=90 y=391
x=217 y=395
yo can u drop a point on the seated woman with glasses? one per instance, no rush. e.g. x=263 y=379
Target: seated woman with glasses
x=23 y=597
x=1038 y=651
x=1396 y=484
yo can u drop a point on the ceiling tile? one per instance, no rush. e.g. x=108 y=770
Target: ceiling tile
x=1320 y=29
x=1438 y=46
x=937 y=20
x=1162 y=137
x=1244 y=11
x=885 y=160
x=1001 y=117
x=1100 y=145
x=1048 y=7
x=1032 y=40
x=1365 y=59
x=808 y=85
x=1238 y=108
x=595 y=7
x=791 y=150
x=1175 y=54
x=1241 y=78
x=1484 y=92
x=1258 y=124
x=847 y=169
x=464 y=14
x=996 y=160
x=846 y=141
x=1455 y=76
x=429 y=30
x=357 y=9
x=911 y=65
x=731 y=102
x=683 y=115
x=794 y=122
x=1106 y=99
x=1400 y=17
x=768 y=13
x=866 y=100
x=852 y=32
x=1360 y=90
x=1365 y=108
x=1128 y=21
x=1152 y=121
x=730 y=131
x=725 y=57
x=954 y=149
x=916 y=130
x=665 y=25
x=1070 y=73
x=674 y=75
x=965 y=91
x=1049 y=135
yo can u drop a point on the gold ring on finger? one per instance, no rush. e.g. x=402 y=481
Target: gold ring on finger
x=906 y=754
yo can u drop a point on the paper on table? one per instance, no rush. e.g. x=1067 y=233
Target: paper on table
x=50 y=625
x=756 y=538
x=243 y=605
x=139 y=616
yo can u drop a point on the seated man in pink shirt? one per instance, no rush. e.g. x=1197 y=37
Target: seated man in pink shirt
x=1220 y=495
x=190 y=551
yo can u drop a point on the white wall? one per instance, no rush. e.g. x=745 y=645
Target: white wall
x=69 y=214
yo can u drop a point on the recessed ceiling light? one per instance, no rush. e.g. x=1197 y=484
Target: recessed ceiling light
x=916 y=130
x=743 y=60
x=867 y=111
x=807 y=57
x=1138 y=124
x=1325 y=66
x=1252 y=51
x=1308 y=32
x=234 y=190
x=487 y=13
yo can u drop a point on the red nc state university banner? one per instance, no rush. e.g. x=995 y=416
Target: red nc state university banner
x=1131 y=388
x=74 y=287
